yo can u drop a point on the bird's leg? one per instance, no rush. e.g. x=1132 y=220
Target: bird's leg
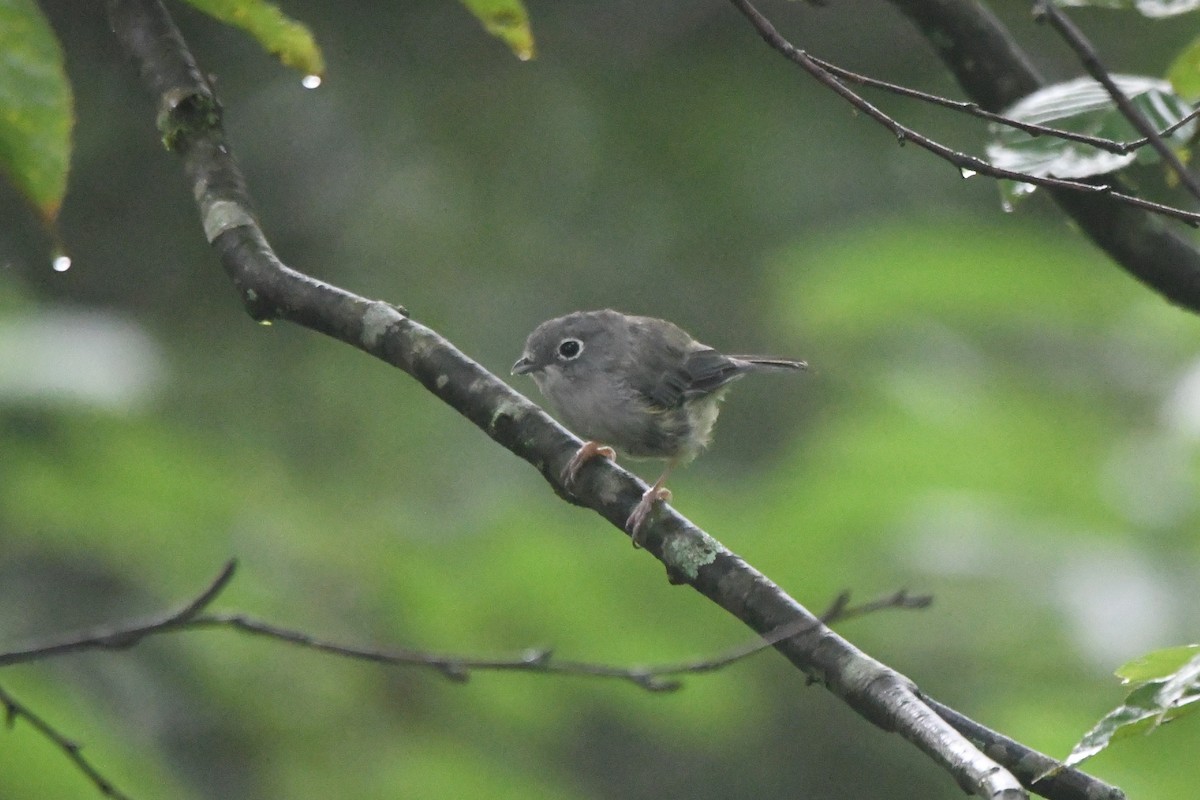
x=584 y=454
x=645 y=506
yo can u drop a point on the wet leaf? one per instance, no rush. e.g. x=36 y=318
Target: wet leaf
x=1147 y=8
x=508 y=21
x=1149 y=704
x=1083 y=106
x=35 y=107
x=281 y=36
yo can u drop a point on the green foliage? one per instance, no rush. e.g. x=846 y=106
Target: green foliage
x=1184 y=72
x=35 y=107
x=508 y=21
x=1166 y=689
x=281 y=36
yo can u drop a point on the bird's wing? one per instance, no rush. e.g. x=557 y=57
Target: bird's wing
x=670 y=374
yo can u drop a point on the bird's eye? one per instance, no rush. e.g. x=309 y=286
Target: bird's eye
x=569 y=349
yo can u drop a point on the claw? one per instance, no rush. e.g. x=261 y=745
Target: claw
x=643 y=510
x=583 y=455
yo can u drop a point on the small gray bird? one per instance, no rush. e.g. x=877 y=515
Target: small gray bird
x=639 y=384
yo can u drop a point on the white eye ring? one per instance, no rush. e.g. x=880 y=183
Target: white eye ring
x=569 y=349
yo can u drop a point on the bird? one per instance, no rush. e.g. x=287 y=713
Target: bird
x=636 y=385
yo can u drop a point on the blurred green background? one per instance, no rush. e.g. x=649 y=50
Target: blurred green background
x=996 y=415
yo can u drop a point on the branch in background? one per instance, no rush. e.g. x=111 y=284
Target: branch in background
x=457 y=668
x=190 y=118
x=967 y=164
x=995 y=72
x=15 y=710
x=129 y=635
x=973 y=109
x=1045 y=11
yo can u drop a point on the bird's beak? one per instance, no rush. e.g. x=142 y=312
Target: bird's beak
x=524 y=365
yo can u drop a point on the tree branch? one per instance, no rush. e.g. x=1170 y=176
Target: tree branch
x=14 y=710
x=190 y=119
x=454 y=667
x=457 y=668
x=126 y=636
x=995 y=73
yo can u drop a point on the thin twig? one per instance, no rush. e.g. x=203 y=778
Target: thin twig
x=967 y=164
x=128 y=635
x=14 y=710
x=975 y=110
x=454 y=667
x=1090 y=58
x=839 y=611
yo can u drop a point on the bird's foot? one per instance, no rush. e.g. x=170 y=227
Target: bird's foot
x=583 y=455
x=643 y=510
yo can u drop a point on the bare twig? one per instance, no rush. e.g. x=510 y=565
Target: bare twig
x=14 y=710
x=128 y=635
x=454 y=667
x=975 y=110
x=839 y=611
x=967 y=164
x=1075 y=39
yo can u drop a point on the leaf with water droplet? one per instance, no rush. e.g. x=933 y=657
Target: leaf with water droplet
x=508 y=21
x=36 y=107
x=280 y=35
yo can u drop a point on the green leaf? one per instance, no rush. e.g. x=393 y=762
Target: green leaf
x=1184 y=73
x=1149 y=704
x=1083 y=106
x=1154 y=9
x=281 y=36
x=1158 y=664
x=508 y=21
x=35 y=107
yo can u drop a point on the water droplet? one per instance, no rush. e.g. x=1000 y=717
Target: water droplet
x=968 y=173
x=1006 y=206
x=61 y=262
x=311 y=81
x=266 y=323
